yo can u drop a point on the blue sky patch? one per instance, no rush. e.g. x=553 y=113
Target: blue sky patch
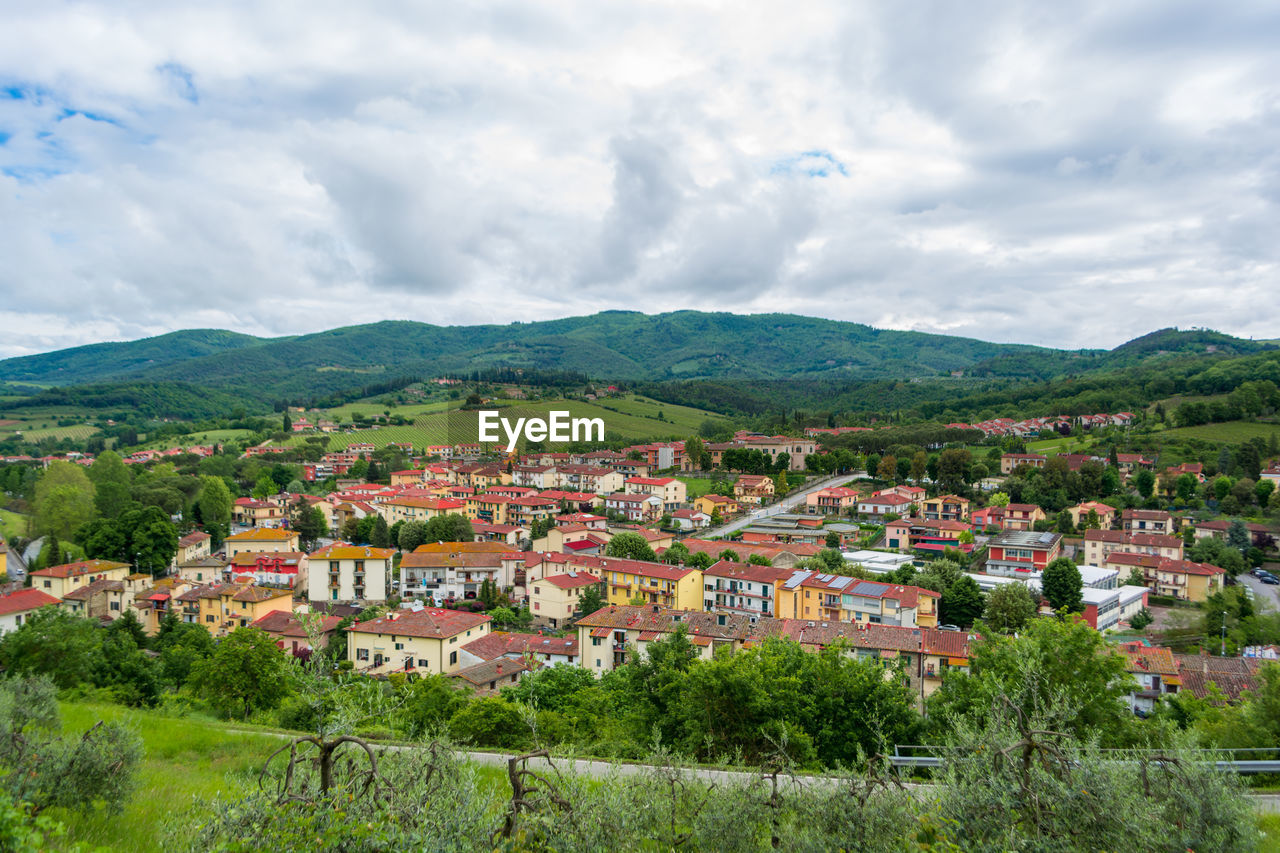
x=815 y=163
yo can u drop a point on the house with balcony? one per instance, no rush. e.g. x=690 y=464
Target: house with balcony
x=1022 y=517
x=528 y=510
x=543 y=649
x=1181 y=579
x=710 y=503
x=60 y=580
x=349 y=573
x=425 y=640
x=270 y=568
x=553 y=599
x=222 y=608
x=1099 y=545
x=834 y=501
x=877 y=506
x=945 y=508
x=640 y=509
x=753 y=489
x=256 y=513
x=1156 y=673
x=1147 y=521
x=608 y=636
x=456 y=570
x=742 y=588
x=1105 y=514
x=655 y=583
x=419 y=509
x=671 y=491
x=290 y=631
x=926 y=536
x=194 y=546
x=1010 y=462
x=593 y=479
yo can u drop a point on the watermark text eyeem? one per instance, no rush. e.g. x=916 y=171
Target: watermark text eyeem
x=559 y=426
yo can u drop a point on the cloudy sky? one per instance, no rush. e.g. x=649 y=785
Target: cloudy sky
x=1065 y=174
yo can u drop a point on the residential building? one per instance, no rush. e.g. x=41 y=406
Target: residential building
x=261 y=539
x=934 y=537
x=1100 y=544
x=208 y=570
x=877 y=506
x=509 y=534
x=514 y=646
x=222 y=608
x=528 y=510
x=1019 y=551
x=1176 y=578
x=753 y=489
x=606 y=637
x=690 y=519
x=289 y=630
x=594 y=479
x=60 y=580
x=1009 y=462
x=945 y=508
x=489 y=677
x=1147 y=521
x=425 y=640
x=488 y=507
x=104 y=599
x=834 y=501
x=1259 y=534
x=17 y=605
x=445 y=571
x=255 y=513
x=1108 y=608
x=194 y=546
x=656 y=583
x=1157 y=675
x=1022 y=517
x=419 y=509
x=742 y=588
x=270 y=568
x=637 y=508
x=344 y=572
x=710 y=503
x=152 y=604
x=671 y=491
x=1080 y=514
x=553 y=599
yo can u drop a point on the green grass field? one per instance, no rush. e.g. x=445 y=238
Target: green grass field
x=635 y=418
x=78 y=432
x=696 y=486
x=1230 y=432
x=1059 y=444
x=12 y=524
x=208 y=437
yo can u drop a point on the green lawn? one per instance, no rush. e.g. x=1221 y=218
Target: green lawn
x=1059 y=444
x=185 y=760
x=696 y=486
x=1230 y=432
x=12 y=524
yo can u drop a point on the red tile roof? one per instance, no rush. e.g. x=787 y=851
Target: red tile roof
x=22 y=600
x=430 y=622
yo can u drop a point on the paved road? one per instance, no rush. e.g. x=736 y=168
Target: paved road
x=787 y=504
x=1261 y=591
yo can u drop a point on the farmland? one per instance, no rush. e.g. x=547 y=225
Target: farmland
x=12 y=524
x=1230 y=432
x=213 y=436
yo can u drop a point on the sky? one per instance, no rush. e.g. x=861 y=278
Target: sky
x=1070 y=175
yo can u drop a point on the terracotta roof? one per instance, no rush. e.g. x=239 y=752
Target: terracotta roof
x=195 y=537
x=253 y=558
x=746 y=572
x=430 y=623
x=572 y=581
x=665 y=620
x=276 y=534
x=22 y=600
x=490 y=671
x=345 y=551
x=499 y=643
x=1151 y=659
x=460 y=547
x=287 y=624
x=84 y=567
x=84 y=593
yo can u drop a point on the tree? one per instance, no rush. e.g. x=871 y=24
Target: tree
x=55 y=643
x=695 y=451
x=412 y=534
x=630 y=546
x=591 y=600
x=1000 y=499
x=1062 y=585
x=832 y=539
x=308 y=522
x=247 y=671
x=1145 y=482
x=729 y=555
x=1010 y=607
x=780 y=484
x=953 y=468
x=888 y=468
x=1238 y=536
x=450 y=527
x=111 y=480
x=153 y=540
x=962 y=602
x=1141 y=619
x=919 y=461
x=380 y=536
x=214 y=501
x=759 y=560
x=64 y=499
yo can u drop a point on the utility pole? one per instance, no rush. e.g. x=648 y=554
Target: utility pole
x=1223 y=653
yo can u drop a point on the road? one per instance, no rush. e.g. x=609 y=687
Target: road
x=1261 y=591
x=785 y=505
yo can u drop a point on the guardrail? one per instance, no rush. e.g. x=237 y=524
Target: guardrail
x=1245 y=767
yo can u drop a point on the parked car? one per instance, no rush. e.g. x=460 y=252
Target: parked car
x=1270 y=580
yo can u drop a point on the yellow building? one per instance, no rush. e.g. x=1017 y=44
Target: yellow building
x=418 y=509
x=555 y=598
x=60 y=580
x=152 y=604
x=4 y=557
x=710 y=503
x=267 y=539
x=413 y=641
x=945 y=508
x=222 y=608
x=678 y=587
x=490 y=508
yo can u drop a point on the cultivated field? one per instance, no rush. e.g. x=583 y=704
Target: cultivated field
x=1230 y=432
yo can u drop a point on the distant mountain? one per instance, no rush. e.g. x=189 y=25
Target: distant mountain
x=107 y=361
x=610 y=345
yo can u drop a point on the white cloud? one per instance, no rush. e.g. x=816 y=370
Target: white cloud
x=1071 y=175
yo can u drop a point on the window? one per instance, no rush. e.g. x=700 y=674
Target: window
x=399 y=646
x=595 y=641
x=537 y=591
x=453 y=658
x=115 y=605
x=537 y=605
x=48 y=584
x=362 y=654
x=209 y=618
x=422 y=663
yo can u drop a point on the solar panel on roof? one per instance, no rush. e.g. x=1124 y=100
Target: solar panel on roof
x=841 y=583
